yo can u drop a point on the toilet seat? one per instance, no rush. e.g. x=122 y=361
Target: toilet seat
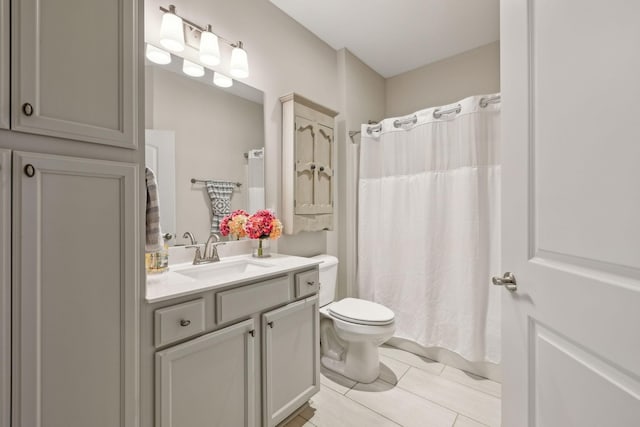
x=361 y=312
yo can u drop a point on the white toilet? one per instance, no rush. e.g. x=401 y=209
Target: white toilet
x=351 y=330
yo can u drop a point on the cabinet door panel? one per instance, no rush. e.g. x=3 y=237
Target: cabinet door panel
x=75 y=62
x=291 y=358
x=305 y=167
x=5 y=287
x=75 y=292
x=208 y=381
x=4 y=64
x=323 y=191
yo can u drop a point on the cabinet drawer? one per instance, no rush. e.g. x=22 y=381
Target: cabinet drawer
x=179 y=321
x=307 y=283
x=251 y=299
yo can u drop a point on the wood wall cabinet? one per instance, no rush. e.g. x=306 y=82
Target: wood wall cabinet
x=209 y=381
x=308 y=147
x=74 y=69
x=291 y=358
x=75 y=291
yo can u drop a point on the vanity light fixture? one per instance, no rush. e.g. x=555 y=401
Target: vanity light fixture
x=157 y=55
x=172 y=37
x=239 y=63
x=209 y=48
x=221 y=80
x=172 y=31
x=192 y=69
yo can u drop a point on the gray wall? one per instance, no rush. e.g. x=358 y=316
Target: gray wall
x=212 y=129
x=474 y=72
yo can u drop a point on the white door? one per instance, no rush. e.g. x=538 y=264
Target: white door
x=571 y=212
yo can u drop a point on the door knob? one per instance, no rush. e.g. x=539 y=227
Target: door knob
x=508 y=280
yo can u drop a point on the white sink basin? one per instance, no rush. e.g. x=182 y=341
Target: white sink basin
x=217 y=270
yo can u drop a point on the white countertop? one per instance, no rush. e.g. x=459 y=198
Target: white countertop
x=172 y=284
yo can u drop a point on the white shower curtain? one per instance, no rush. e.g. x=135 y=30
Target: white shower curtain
x=429 y=227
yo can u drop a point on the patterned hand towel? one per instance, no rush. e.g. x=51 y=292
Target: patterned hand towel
x=220 y=194
x=154 y=241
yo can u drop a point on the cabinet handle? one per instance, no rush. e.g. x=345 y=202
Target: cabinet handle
x=27 y=109
x=252 y=332
x=311 y=283
x=321 y=168
x=29 y=170
x=312 y=166
x=185 y=322
x=270 y=324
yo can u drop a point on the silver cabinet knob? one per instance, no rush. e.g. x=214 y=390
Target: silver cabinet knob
x=185 y=322
x=27 y=109
x=508 y=280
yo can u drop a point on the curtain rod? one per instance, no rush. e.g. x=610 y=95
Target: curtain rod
x=437 y=113
x=204 y=181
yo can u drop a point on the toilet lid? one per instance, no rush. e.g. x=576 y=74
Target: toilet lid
x=363 y=312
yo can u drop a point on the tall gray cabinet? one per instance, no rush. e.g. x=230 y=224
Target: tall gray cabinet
x=70 y=213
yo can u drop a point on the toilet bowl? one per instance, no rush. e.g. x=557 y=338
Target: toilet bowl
x=351 y=329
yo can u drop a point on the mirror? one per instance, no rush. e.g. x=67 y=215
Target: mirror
x=198 y=131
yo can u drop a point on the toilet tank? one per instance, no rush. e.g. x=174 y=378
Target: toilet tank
x=328 y=278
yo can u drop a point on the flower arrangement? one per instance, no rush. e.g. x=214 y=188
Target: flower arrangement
x=261 y=225
x=234 y=224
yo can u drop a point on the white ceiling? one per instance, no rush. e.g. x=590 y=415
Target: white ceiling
x=395 y=36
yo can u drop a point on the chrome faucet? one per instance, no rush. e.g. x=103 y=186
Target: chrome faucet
x=210 y=248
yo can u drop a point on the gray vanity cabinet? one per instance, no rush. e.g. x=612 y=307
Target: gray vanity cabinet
x=243 y=355
x=208 y=381
x=291 y=370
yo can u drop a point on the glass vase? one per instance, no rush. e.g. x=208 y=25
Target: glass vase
x=262 y=249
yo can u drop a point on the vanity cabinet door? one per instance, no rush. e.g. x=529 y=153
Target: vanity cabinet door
x=75 y=70
x=291 y=358
x=208 y=381
x=75 y=292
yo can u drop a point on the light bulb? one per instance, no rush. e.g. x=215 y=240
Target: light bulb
x=172 y=31
x=239 y=64
x=158 y=55
x=209 y=49
x=222 y=80
x=192 y=69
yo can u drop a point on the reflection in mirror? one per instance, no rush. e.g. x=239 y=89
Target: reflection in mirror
x=198 y=131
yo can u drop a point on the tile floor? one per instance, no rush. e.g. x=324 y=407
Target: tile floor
x=411 y=391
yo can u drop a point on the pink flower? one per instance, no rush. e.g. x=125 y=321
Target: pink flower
x=234 y=224
x=263 y=224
